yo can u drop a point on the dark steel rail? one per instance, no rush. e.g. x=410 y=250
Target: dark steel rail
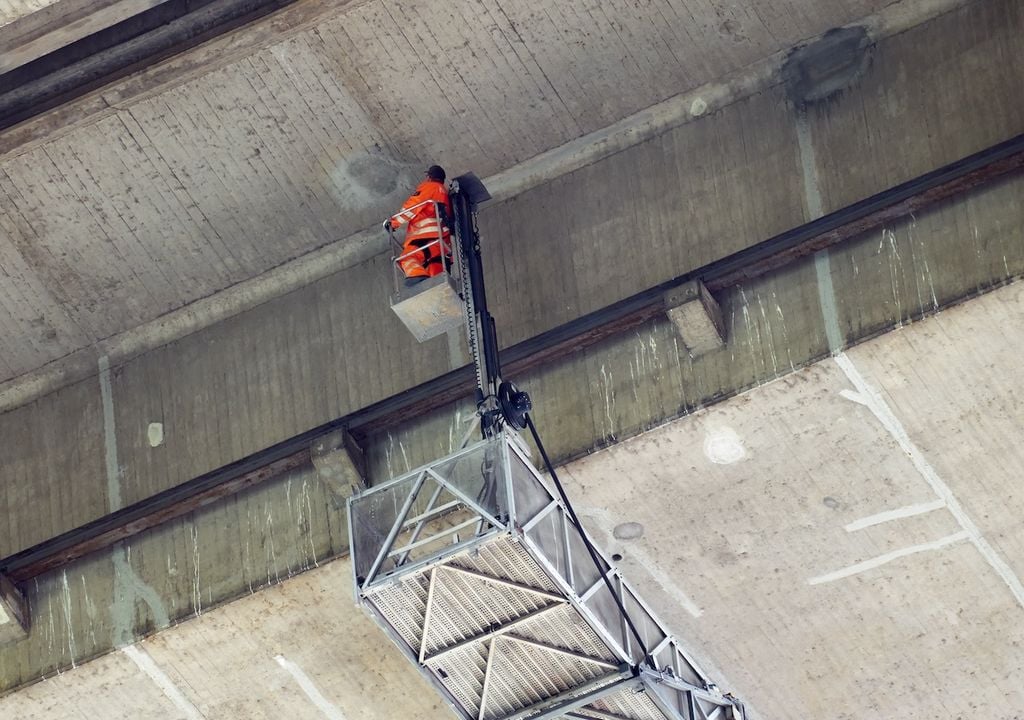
x=876 y=211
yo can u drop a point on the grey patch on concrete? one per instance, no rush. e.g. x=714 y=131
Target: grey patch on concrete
x=628 y=531
x=128 y=586
x=831 y=503
x=809 y=166
x=827 y=301
x=821 y=69
x=725 y=558
x=733 y=29
x=366 y=178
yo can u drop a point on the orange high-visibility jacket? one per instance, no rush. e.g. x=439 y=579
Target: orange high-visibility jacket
x=423 y=219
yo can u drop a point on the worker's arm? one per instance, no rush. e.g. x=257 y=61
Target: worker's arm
x=406 y=214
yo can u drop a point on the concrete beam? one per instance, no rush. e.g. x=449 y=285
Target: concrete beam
x=617 y=388
x=697 y=317
x=135 y=519
x=59 y=24
x=296 y=362
x=157 y=32
x=340 y=463
x=552 y=295
x=690 y=107
x=173 y=71
x=14 y=614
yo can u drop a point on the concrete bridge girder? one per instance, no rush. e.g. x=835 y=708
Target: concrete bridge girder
x=843 y=528
x=295 y=362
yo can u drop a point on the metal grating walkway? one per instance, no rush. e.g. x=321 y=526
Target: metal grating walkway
x=474 y=569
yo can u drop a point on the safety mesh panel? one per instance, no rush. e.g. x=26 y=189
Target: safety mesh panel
x=462 y=672
x=508 y=560
x=463 y=607
x=628 y=704
x=523 y=675
x=403 y=605
x=571 y=631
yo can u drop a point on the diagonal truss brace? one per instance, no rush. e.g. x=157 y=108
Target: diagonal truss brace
x=505 y=583
x=724 y=707
x=555 y=601
x=500 y=630
x=402 y=521
x=576 y=698
x=492 y=652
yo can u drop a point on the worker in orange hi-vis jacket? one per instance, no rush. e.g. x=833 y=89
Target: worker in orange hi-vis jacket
x=426 y=211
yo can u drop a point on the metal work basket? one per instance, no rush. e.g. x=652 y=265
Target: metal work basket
x=434 y=306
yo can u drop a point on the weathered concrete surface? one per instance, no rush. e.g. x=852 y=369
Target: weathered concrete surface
x=30 y=30
x=14 y=615
x=45 y=458
x=611 y=391
x=293 y=363
x=579 y=242
x=297 y=650
x=181 y=569
x=842 y=543
x=253 y=150
x=916 y=114
x=15 y=9
x=773 y=325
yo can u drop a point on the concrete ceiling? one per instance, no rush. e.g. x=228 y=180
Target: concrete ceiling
x=221 y=164
x=841 y=543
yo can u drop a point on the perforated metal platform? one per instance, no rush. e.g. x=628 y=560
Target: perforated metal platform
x=475 y=570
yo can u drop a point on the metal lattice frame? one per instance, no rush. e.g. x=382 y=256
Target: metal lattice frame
x=474 y=569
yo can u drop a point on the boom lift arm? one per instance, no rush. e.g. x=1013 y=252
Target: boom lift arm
x=484 y=577
x=498 y=401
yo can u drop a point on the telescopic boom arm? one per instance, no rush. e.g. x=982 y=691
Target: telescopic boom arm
x=498 y=402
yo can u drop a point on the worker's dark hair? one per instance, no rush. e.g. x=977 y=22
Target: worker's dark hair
x=436 y=172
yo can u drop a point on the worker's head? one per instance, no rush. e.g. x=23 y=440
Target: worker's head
x=436 y=172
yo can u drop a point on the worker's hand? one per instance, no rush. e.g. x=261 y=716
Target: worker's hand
x=387 y=225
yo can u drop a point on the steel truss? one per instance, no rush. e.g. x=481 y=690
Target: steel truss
x=473 y=567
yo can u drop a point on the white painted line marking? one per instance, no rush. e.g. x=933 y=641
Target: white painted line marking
x=853 y=397
x=881 y=410
x=897 y=514
x=145 y=663
x=308 y=687
x=888 y=558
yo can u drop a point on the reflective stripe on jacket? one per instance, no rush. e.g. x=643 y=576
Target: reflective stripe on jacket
x=423 y=219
